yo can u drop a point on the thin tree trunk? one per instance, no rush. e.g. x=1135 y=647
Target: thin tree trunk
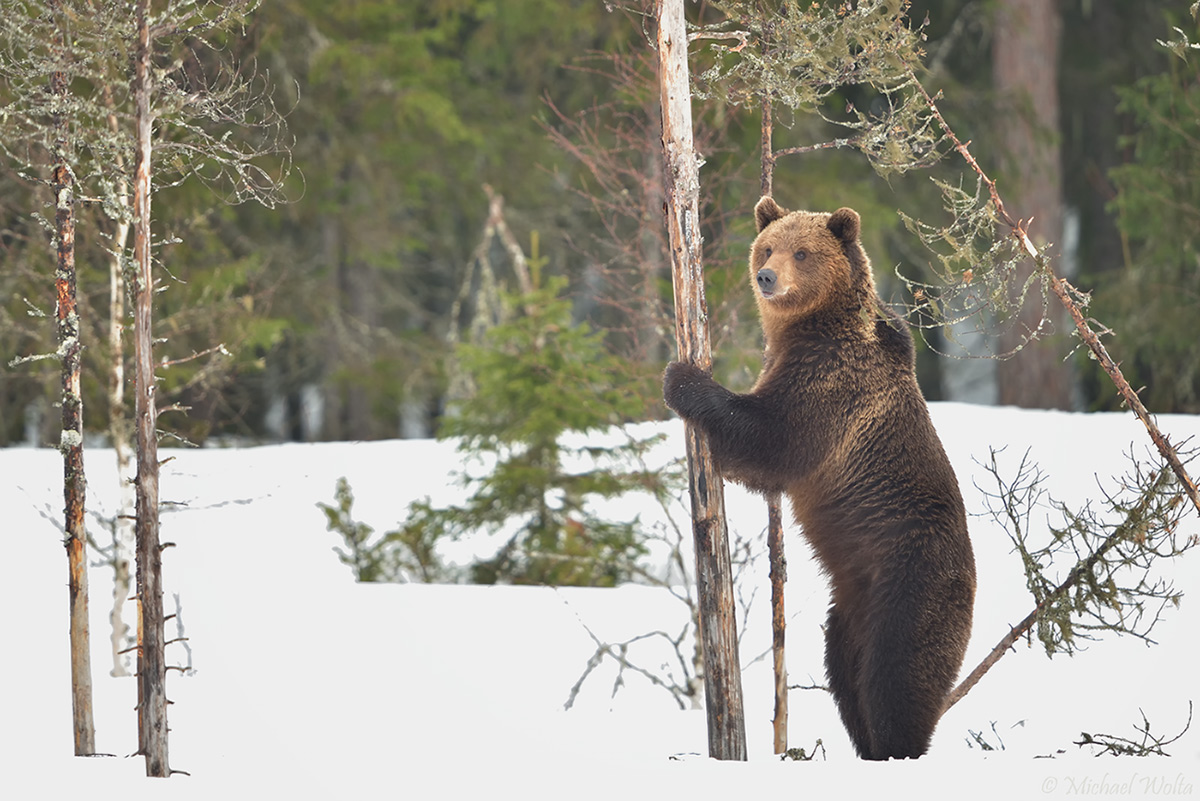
x=118 y=423
x=71 y=441
x=766 y=173
x=152 y=698
x=778 y=620
x=714 y=580
x=1025 y=63
x=778 y=562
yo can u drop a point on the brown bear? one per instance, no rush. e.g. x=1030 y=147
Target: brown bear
x=837 y=422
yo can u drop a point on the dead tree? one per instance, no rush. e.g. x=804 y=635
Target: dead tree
x=775 y=554
x=201 y=112
x=778 y=577
x=714 y=583
x=151 y=661
x=71 y=441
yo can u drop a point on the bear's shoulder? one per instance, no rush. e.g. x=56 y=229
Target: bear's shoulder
x=894 y=337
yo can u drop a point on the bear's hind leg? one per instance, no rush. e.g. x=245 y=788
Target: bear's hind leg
x=903 y=683
x=843 y=660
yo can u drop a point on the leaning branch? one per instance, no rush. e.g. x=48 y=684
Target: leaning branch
x=1068 y=296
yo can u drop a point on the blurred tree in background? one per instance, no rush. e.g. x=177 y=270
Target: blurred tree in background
x=1153 y=298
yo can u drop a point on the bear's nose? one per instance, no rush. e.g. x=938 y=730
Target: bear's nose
x=766 y=280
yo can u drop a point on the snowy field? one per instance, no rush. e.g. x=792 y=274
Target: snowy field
x=305 y=684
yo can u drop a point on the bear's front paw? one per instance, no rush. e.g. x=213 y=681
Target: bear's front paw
x=678 y=379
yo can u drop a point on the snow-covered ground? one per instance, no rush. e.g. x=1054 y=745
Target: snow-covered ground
x=308 y=685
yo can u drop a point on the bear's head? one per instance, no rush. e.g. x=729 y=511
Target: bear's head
x=804 y=263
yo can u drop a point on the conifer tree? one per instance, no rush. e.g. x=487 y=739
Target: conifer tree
x=539 y=380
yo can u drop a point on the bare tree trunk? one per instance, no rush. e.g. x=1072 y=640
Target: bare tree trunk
x=151 y=680
x=118 y=423
x=714 y=581
x=1025 y=64
x=778 y=561
x=71 y=441
x=778 y=620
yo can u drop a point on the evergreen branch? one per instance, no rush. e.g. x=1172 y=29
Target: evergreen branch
x=1133 y=528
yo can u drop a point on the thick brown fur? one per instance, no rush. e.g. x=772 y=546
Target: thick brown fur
x=837 y=422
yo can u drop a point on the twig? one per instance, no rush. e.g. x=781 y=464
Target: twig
x=743 y=36
x=1067 y=295
x=848 y=141
x=619 y=653
x=195 y=355
x=1123 y=746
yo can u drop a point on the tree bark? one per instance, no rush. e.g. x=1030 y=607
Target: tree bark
x=71 y=440
x=151 y=679
x=714 y=581
x=651 y=348
x=1025 y=66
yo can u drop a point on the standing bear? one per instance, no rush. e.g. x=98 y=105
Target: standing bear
x=837 y=422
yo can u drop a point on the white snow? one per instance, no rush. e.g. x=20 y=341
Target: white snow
x=308 y=685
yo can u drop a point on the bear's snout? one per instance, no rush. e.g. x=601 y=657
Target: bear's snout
x=767 y=281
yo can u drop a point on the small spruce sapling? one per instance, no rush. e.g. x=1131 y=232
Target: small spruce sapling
x=544 y=399
x=544 y=389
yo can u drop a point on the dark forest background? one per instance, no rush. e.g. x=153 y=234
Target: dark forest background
x=339 y=312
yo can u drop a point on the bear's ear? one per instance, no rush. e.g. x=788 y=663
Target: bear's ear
x=767 y=211
x=844 y=224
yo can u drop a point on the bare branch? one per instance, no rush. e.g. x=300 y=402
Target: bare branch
x=165 y=362
x=1123 y=746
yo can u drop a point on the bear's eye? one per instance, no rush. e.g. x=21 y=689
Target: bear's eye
x=800 y=255
x=767 y=252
